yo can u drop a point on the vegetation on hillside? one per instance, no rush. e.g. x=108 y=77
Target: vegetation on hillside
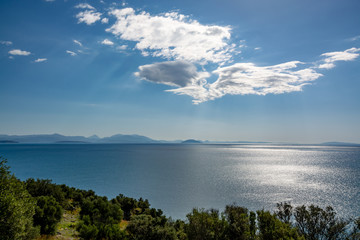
x=35 y=207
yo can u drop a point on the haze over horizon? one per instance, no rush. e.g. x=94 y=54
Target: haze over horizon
x=249 y=70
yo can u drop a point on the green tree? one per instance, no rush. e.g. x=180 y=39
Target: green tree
x=284 y=212
x=100 y=219
x=45 y=187
x=205 y=225
x=146 y=227
x=239 y=222
x=316 y=223
x=355 y=232
x=271 y=228
x=17 y=207
x=48 y=213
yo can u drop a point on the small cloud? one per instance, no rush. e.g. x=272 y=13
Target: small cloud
x=85 y=6
x=257 y=48
x=89 y=17
x=11 y=57
x=331 y=57
x=354 y=38
x=7 y=43
x=104 y=20
x=326 y=66
x=71 y=53
x=49 y=0
x=242 y=44
x=121 y=47
x=19 y=52
x=40 y=60
x=107 y=42
x=78 y=43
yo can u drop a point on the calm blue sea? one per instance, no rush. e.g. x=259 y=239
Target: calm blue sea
x=176 y=177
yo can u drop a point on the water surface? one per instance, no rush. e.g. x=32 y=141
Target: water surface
x=176 y=177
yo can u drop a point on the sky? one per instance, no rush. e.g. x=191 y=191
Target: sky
x=244 y=70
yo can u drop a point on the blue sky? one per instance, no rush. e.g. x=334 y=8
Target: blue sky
x=252 y=70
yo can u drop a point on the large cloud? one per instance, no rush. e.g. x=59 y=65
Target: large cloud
x=179 y=74
x=247 y=78
x=173 y=36
x=237 y=79
x=331 y=57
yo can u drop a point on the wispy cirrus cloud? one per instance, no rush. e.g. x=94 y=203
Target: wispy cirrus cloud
x=122 y=47
x=85 y=6
x=19 y=52
x=77 y=42
x=71 y=53
x=40 y=60
x=331 y=57
x=173 y=36
x=354 y=38
x=7 y=43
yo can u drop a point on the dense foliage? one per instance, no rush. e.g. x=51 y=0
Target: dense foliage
x=17 y=207
x=36 y=206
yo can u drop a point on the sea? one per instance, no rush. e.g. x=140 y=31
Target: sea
x=177 y=177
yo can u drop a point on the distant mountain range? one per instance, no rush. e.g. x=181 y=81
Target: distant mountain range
x=191 y=141
x=123 y=138
x=58 y=138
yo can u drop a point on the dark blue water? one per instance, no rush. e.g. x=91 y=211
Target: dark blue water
x=178 y=177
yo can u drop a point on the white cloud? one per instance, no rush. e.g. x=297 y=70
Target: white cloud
x=331 y=57
x=71 y=53
x=7 y=43
x=89 y=17
x=355 y=38
x=237 y=79
x=107 y=42
x=121 y=47
x=247 y=78
x=19 y=52
x=173 y=36
x=85 y=6
x=104 y=20
x=257 y=48
x=40 y=60
x=78 y=43
x=49 y=0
